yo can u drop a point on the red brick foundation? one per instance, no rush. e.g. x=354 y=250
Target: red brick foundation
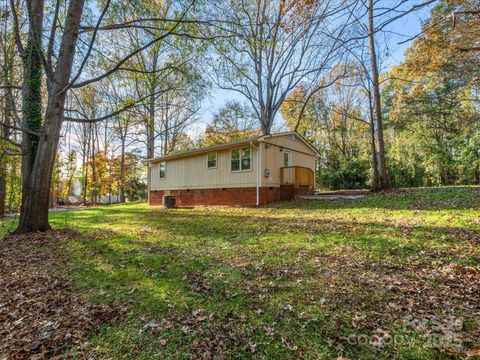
x=246 y=196
x=304 y=190
x=287 y=192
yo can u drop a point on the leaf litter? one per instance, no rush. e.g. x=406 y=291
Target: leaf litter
x=39 y=316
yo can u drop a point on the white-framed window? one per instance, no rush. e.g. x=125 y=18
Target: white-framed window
x=287 y=158
x=241 y=159
x=162 y=170
x=212 y=160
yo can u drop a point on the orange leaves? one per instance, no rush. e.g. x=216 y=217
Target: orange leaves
x=296 y=13
x=292 y=106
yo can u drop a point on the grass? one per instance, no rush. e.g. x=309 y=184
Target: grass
x=393 y=275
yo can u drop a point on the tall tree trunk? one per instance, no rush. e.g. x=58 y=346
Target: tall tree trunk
x=150 y=139
x=3 y=168
x=86 y=155
x=35 y=196
x=122 y=169
x=3 y=184
x=151 y=128
x=93 y=195
x=166 y=122
x=4 y=130
x=12 y=175
x=5 y=133
x=382 y=167
x=372 y=140
x=31 y=119
x=266 y=121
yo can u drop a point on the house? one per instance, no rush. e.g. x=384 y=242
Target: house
x=239 y=173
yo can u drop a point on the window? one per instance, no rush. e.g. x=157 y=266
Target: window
x=212 y=160
x=246 y=158
x=235 y=160
x=163 y=169
x=287 y=156
x=241 y=159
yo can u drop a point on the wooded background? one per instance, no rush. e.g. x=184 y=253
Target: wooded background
x=90 y=89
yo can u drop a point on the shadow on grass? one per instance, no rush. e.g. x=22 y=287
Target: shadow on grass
x=169 y=264
x=442 y=198
x=287 y=277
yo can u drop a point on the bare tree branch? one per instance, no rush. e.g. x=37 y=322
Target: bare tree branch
x=92 y=41
x=16 y=27
x=132 y=54
x=453 y=15
x=30 y=132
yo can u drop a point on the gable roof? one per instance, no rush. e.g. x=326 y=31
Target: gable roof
x=286 y=133
x=228 y=145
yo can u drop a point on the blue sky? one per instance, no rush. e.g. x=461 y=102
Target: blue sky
x=400 y=30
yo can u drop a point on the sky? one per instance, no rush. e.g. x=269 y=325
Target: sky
x=398 y=31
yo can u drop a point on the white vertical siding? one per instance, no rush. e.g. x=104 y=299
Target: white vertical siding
x=272 y=157
x=192 y=173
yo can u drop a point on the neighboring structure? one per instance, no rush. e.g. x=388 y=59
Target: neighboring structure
x=240 y=173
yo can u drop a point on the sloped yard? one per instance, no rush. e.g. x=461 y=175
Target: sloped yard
x=393 y=275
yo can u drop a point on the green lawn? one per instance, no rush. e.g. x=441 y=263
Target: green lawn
x=393 y=275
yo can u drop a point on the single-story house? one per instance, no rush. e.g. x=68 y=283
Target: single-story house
x=239 y=173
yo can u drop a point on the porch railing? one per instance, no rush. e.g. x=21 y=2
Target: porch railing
x=297 y=175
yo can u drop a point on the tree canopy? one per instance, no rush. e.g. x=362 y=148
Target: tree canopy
x=91 y=89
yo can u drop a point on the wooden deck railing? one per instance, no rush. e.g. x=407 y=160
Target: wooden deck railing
x=297 y=175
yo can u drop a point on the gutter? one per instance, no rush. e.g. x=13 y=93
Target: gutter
x=257 y=150
x=200 y=151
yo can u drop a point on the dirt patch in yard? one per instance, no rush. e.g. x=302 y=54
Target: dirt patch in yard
x=39 y=316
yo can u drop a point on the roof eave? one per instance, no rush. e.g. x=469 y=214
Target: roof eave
x=227 y=146
x=317 y=153
x=200 y=151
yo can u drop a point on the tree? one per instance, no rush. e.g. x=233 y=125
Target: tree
x=265 y=49
x=136 y=188
x=372 y=20
x=178 y=107
x=101 y=181
x=439 y=113
x=121 y=127
x=233 y=121
x=56 y=60
x=431 y=102
x=185 y=143
x=449 y=44
x=334 y=121
x=7 y=53
x=382 y=176
x=163 y=76
x=124 y=168
x=305 y=117
x=69 y=173
x=166 y=76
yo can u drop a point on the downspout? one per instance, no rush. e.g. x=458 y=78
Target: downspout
x=257 y=150
x=149 y=170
